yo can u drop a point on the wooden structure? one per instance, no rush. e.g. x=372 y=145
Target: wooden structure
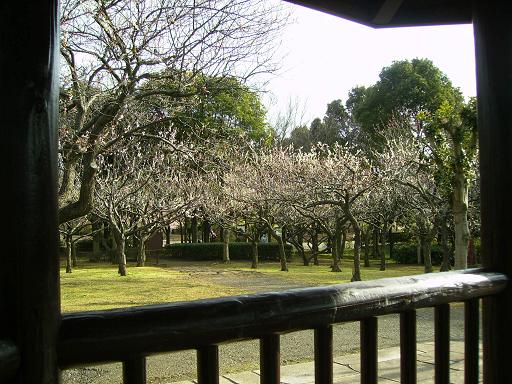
x=36 y=341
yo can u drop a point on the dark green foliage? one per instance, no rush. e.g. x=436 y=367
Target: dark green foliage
x=401 y=237
x=476 y=247
x=334 y=128
x=300 y=137
x=407 y=254
x=213 y=251
x=225 y=107
x=84 y=245
x=407 y=91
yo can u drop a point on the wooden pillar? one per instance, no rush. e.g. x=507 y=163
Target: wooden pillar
x=29 y=274
x=493 y=42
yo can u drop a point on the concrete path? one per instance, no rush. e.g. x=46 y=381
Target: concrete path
x=347 y=368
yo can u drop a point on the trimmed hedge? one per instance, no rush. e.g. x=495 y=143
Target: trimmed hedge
x=407 y=254
x=213 y=251
x=401 y=237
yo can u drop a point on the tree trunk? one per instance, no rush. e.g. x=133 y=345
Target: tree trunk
x=112 y=252
x=419 y=251
x=73 y=255
x=445 y=265
x=376 y=243
x=300 y=248
x=335 y=265
x=188 y=238
x=282 y=254
x=336 y=247
x=367 y=235
x=71 y=209
x=109 y=244
x=69 y=246
x=225 y=248
x=297 y=242
x=207 y=228
x=460 y=219
x=141 y=252
x=425 y=234
x=167 y=234
x=182 y=234
x=426 y=246
x=343 y=243
x=193 y=230
x=120 y=250
x=314 y=246
x=284 y=235
x=329 y=244
x=305 y=258
x=391 y=242
x=254 y=251
x=356 y=273
x=97 y=227
x=383 y=250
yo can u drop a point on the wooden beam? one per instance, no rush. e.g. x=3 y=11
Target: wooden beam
x=493 y=46
x=29 y=271
x=387 y=11
x=394 y=13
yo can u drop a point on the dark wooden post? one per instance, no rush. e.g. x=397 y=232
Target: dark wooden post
x=270 y=360
x=208 y=365
x=408 y=348
x=323 y=355
x=369 y=351
x=29 y=275
x=493 y=41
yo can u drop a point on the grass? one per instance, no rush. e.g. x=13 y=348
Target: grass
x=98 y=286
x=321 y=275
x=95 y=286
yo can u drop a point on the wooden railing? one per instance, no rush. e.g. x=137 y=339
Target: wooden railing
x=129 y=335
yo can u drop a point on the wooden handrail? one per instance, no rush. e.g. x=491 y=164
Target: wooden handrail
x=115 y=335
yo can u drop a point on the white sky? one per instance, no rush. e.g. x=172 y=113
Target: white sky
x=326 y=56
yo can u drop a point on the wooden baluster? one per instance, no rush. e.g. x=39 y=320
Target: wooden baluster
x=408 y=347
x=369 y=350
x=471 y=338
x=134 y=370
x=208 y=365
x=270 y=360
x=442 y=347
x=323 y=355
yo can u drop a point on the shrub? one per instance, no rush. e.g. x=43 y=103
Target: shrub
x=401 y=237
x=213 y=251
x=407 y=254
x=84 y=245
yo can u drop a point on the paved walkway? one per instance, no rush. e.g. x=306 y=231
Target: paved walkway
x=347 y=368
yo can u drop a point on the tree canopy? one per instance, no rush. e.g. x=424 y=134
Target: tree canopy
x=131 y=67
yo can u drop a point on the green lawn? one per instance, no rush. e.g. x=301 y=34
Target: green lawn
x=94 y=286
x=322 y=275
x=98 y=286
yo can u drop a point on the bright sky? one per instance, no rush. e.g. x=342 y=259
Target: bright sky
x=326 y=56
